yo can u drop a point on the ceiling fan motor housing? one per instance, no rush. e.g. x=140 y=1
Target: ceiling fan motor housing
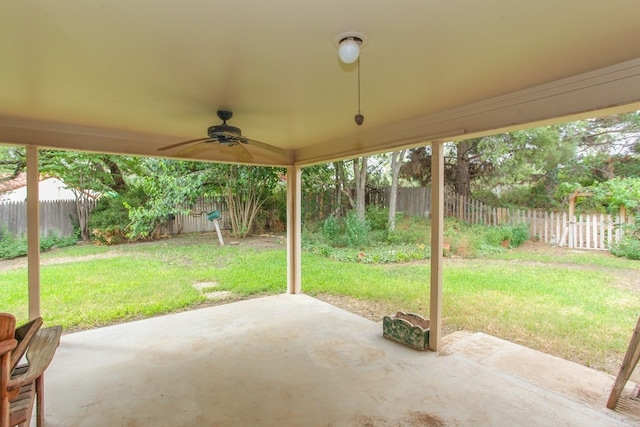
x=226 y=134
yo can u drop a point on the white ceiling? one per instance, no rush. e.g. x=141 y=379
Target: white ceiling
x=130 y=76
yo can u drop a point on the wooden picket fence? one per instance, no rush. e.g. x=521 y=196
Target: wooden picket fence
x=586 y=231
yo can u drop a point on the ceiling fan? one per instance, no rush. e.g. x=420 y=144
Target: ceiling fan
x=226 y=135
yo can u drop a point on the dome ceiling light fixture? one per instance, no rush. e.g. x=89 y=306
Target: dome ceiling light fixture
x=349 y=45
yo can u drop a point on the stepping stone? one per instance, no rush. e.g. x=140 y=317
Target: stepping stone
x=219 y=295
x=205 y=285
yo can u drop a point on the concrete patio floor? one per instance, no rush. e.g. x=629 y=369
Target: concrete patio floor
x=291 y=360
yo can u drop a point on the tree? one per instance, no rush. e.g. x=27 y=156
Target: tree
x=622 y=195
x=608 y=147
x=522 y=167
x=87 y=175
x=318 y=184
x=396 y=163
x=340 y=182
x=360 y=177
x=463 y=157
x=13 y=161
x=170 y=187
x=173 y=186
x=618 y=194
x=418 y=166
x=246 y=188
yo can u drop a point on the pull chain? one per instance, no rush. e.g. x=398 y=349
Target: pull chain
x=359 y=118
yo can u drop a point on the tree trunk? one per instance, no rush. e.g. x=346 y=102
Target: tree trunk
x=243 y=211
x=396 y=163
x=463 y=179
x=360 y=175
x=339 y=166
x=119 y=185
x=83 y=211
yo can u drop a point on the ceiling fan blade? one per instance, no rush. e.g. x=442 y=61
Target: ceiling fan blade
x=180 y=144
x=195 y=148
x=265 y=146
x=238 y=152
x=241 y=153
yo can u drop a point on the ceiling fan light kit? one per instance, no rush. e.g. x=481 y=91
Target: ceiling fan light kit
x=349 y=45
x=349 y=50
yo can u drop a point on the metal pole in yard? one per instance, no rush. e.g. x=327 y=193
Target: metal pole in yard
x=217 y=226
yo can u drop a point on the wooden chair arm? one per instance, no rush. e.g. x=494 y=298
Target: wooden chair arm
x=7 y=345
x=40 y=353
x=24 y=334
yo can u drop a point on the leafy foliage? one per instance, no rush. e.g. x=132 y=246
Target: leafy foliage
x=246 y=188
x=377 y=217
x=351 y=231
x=88 y=175
x=14 y=247
x=411 y=240
x=109 y=220
x=170 y=187
x=356 y=230
x=331 y=230
x=618 y=192
x=526 y=168
x=628 y=247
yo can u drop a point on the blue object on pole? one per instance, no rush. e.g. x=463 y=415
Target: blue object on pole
x=213 y=215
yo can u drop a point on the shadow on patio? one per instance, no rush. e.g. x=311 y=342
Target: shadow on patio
x=291 y=360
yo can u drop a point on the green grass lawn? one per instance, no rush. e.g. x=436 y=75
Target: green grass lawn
x=580 y=306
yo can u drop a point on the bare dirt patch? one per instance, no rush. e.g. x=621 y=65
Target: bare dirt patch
x=16 y=263
x=261 y=241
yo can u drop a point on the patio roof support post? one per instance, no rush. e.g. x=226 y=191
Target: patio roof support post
x=294 y=229
x=33 y=231
x=437 y=220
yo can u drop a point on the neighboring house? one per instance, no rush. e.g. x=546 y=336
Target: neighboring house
x=50 y=189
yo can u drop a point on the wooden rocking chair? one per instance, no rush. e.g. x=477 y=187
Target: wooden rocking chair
x=22 y=385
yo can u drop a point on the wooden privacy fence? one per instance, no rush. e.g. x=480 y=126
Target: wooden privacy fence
x=197 y=221
x=60 y=217
x=56 y=217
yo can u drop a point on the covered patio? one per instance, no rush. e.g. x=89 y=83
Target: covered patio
x=130 y=78
x=292 y=360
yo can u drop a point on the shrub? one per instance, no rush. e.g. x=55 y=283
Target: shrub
x=351 y=240
x=515 y=235
x=331 y=229
x=11 y=246
x=519 y=234
x=628 y=247
x=377 y=217
x=14 y=247
x=357 y=230
x=494 y=236
x=54 y=240
x=110 y=218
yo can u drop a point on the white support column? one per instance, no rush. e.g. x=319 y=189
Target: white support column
x=33 y=231
x=437 y=220
x=294 y=230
